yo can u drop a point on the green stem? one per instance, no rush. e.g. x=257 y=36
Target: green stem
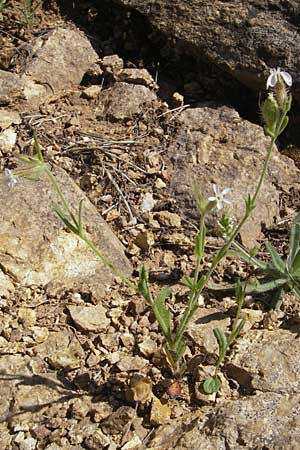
x=193 y=300
x=60 y=194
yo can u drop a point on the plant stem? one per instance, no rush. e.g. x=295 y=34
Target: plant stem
x=193 y=300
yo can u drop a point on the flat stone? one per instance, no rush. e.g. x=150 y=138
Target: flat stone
x=61 y=59
x=201 y=328
x=36 y=248
x=90 y=318
x=8 y=118
x=123 y=100
x=11 y=87
x=168 y=219
x=61 y=350
x=8 y=139
x=267 y=360
x=137 y=76
x=216 y=146
x=92 y=92
x=229 y=36
x=265 y=420
x=128 y=363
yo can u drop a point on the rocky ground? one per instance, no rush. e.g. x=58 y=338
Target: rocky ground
x=130 y=133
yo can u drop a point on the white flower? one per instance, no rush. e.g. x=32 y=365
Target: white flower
x=275 y=75
x=219 y=197
x=11 y=180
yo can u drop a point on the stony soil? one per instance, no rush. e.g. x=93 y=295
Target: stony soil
x=81 y=365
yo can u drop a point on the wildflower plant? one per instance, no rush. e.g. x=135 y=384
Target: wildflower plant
x=274 y=111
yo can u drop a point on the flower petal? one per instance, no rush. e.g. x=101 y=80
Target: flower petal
x=287 y=78
x=225 y=191
x=211 y=199
x=272 y=79
x=216 y=189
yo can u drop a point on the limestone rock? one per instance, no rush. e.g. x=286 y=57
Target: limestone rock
x=90 y=318
x=61 y=350
x=123 y=100
x=265 y=420
x=61 y=59
x=267 y=361
x=216 y=146
x=201 y=327
x=244 y=39
x=91 y=92
x=11 y=87
x=8 y=118
x=137 y=76
x=35 y=247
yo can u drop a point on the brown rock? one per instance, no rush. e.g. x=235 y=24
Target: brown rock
x=8 y=118
x=128 y=363
x=257 y=421
x=160 y=413
x=229 y=35
x=37 y=249
x=216 y=146
x=123 y=100
x=267 y=361
x=118 y=420
x=202 y=324
x=168 y=219
x=90 y=318
x=137 y=76
x=53 y=60
x=11 y=87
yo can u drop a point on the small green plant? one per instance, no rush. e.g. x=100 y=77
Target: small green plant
x=274 y=111
x=28 y=11
x=279 y=275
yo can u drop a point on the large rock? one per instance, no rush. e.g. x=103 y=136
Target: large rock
x=266 y=420
x=244 y=38
x=59 y=61
x=216 y=146
x=36 y=249
x=123 y=100
x=267 y=361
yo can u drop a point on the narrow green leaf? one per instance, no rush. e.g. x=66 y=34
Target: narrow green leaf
x=295 y=265
x=37 y=147
x=65 y=220
x=161 y=310
x=200 y=242
x=222 y=340
x=296 y=291
x=277 y=298
x=239 y=292
x=236 y=332
x=143 y=286
x=294 y=243
x=211 y=385
x=80 y=226
x=265 y=286
x=200 y=283
x=200 y=201
x=188 y=282
x=283 y=125
x=278 y=262
x=181 y=347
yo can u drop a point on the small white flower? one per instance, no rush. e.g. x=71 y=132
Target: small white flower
x=275 y=75
x=219 y=196
x=11 y=180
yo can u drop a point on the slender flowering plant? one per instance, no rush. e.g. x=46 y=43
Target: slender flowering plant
x=274 y=112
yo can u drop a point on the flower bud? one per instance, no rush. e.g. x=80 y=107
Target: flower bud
x=270 y=112
x=281 y=93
